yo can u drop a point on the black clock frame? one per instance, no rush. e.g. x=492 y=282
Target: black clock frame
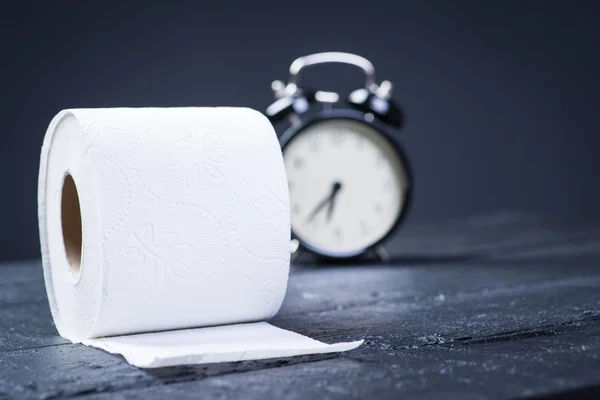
x=370 y=120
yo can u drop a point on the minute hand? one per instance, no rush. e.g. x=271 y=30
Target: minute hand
x=327 y=200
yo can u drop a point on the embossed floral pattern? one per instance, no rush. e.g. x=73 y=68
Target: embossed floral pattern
x=153 y=256
x=265 y=290
x=200 y=156
x=91 y=123
x=98 y=122
x=273 y=205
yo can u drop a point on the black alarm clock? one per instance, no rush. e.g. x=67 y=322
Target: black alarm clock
x=349 y=179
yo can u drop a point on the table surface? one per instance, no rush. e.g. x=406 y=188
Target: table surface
x=501 y=306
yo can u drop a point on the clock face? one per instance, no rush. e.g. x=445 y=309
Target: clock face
x=347 y=184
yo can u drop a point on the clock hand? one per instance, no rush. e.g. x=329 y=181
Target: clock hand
x=318 y=208
x=334 y=189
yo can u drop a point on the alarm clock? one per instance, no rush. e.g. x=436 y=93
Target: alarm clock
x=349 y=179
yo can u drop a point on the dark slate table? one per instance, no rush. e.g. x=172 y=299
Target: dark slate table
x=503 y=306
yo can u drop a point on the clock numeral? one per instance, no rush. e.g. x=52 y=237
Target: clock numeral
x=314 y=145
x=364 y=227
x=388 y=184
x=312 y=226
x=378 y=208
x=290 y=186
x=295 y=209
x=381 y=158
x=338 y=234
x=360 y=143
x=298 y=163
x=337 y=138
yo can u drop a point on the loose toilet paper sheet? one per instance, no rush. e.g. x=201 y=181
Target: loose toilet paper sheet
x=237 y=342
x=157 y=220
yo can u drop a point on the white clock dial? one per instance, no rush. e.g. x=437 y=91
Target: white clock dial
x=347 y=185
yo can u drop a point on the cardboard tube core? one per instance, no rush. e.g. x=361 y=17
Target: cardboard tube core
x=71 y=224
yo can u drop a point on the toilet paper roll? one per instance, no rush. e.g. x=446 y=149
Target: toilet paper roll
x=155 y=222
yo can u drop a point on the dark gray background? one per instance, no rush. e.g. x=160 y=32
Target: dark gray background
x=501 y=97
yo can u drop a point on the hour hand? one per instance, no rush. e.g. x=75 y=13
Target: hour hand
x=335 y=187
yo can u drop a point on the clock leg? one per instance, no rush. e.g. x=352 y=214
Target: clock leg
x=295 y=250
x=382 y=254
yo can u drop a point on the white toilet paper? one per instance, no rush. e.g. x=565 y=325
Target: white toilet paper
x=157 y=220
